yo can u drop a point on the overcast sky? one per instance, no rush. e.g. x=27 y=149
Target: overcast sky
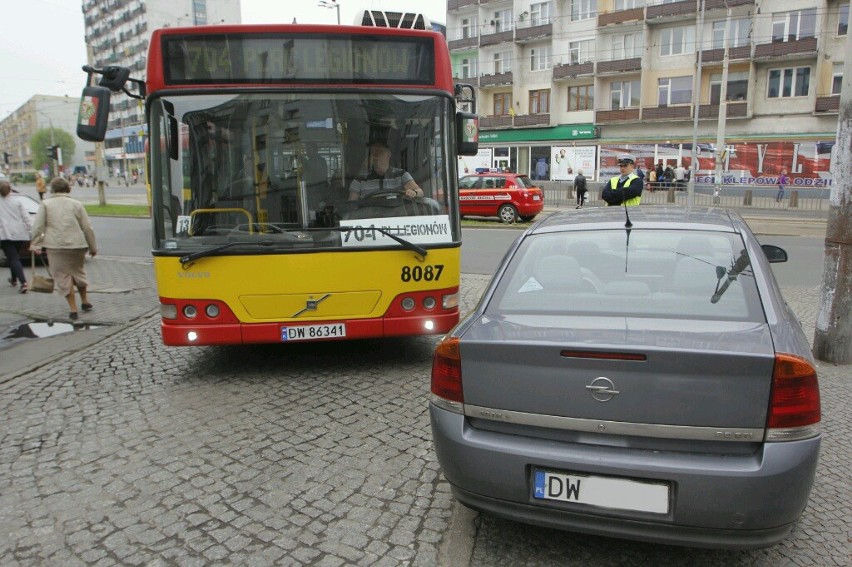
x=42 y=45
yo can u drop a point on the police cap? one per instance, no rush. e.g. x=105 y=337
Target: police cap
x=626 y=158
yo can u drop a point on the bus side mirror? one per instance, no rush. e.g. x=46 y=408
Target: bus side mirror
x=93 y=117
x=467 y=133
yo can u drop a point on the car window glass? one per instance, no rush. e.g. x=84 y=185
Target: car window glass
x=468 y=182
x=523 y=181
x=660 y=273
x=489 y=183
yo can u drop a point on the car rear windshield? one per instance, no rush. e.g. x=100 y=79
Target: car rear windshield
x=648 y=273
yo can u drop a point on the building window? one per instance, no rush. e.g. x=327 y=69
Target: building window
x=843 y=20
x=628 y=4
x=468 y=27
x=626 y=46
x=199 y=10
x=583 y=9
x=836 y=78
x=581 y=51
x=737 y=87
x=502 y=21
x=674 y=90
x=540 y=101
x=502 y=62
x=540 y=13
x=791 y=82
x=581 y=97
x=738 y=33
x=540 y=58
x=677 y=41
x=625 y=94
x=790 y=26
x=466 y=68
x=502 y=104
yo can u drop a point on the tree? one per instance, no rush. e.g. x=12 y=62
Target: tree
x=42 y=139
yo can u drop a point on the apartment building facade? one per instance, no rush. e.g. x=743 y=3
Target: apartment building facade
x=574 y=82
x=117 y=32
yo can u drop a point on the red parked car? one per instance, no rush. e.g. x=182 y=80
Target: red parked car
x=509 y=196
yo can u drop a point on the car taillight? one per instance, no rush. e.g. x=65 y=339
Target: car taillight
x=794 y=409
x=447 y=389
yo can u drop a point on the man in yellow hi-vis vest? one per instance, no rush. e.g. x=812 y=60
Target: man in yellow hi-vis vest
x=626 y=188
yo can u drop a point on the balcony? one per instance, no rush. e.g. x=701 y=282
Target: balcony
x=620 y=66
x=621 y=16
x=496 y=80
x=459 y=4
x=495 y=38
x=721 y=4
x=828 y=103
x=681 y=112
x=795 y=49
x=572 y=70
x=491 y=122
x=467 y=80
x=464 y=43
x=532 y=120
x=735 y=110
x=684 y=10
x=529 y=33
x=718 y=55
x=621 y=115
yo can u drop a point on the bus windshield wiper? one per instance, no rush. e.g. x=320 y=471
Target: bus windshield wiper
x=184 y=260
x=419 y=250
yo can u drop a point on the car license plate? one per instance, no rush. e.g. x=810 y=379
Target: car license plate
x=313 y=332
x=601 y=491
x=536 y=198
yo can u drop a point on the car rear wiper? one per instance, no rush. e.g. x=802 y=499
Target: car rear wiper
x=736 y=269
x=184 y=260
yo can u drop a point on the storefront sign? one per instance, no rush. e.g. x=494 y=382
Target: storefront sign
x=555 y=133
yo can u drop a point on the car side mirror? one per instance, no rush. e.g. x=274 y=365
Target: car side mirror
x=775 y=254
x=467 y=133
x=93 y=117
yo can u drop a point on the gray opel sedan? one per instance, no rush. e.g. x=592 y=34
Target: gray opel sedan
x=637 y=377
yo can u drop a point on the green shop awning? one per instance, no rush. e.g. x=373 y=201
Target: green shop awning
x=553 y=133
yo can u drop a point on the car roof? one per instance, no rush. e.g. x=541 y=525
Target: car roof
x=674 y=218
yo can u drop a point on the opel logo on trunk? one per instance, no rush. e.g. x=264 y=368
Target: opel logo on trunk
x=602 y=389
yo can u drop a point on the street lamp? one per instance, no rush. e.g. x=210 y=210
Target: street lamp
x=331 y=4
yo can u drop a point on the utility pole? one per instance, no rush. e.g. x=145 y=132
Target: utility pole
x=723 y=114
x=833 y=335
x=696 y=103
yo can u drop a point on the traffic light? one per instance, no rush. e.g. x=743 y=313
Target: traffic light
x=6 y=156
x=51 y=152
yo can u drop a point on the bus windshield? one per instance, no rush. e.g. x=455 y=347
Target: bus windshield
x=301 y=170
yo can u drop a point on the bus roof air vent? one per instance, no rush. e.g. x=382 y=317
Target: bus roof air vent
x=405 y=20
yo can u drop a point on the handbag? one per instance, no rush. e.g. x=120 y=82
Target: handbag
x=40 y=284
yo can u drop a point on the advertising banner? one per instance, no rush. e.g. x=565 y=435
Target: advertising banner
x=469 y=164
x=566 y=161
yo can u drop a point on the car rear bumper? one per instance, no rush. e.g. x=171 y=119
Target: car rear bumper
x=731 y=501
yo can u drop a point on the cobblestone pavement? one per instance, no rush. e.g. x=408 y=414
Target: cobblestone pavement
x=126 y=452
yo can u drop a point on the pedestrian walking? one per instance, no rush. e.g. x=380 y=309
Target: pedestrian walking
x=580 y=188
x=15 y=226
x=782 y=184
x=40 y=186
x=63 y=228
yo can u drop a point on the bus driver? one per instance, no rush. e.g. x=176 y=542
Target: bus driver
x=381 y=177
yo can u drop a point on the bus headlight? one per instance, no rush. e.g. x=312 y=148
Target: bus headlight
x=212 y=311
x=189 y=311
x=429 y=303
x=450 y=301
x=168 y=311
x=408 y=304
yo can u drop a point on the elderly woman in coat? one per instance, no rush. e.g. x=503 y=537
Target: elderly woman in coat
x=63 y=228
x=15 y=225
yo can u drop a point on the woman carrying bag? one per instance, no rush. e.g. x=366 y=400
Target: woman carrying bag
x=63 y=228
x=15 y=225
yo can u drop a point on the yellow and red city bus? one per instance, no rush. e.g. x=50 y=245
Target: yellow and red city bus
x=255 y=240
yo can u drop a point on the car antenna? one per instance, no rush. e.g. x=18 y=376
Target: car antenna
x=628 y=225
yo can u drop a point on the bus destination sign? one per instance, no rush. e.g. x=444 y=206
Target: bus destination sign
x=297 y=58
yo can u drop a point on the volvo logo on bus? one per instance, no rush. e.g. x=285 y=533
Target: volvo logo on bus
x=602 y=389
x=312 y=304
